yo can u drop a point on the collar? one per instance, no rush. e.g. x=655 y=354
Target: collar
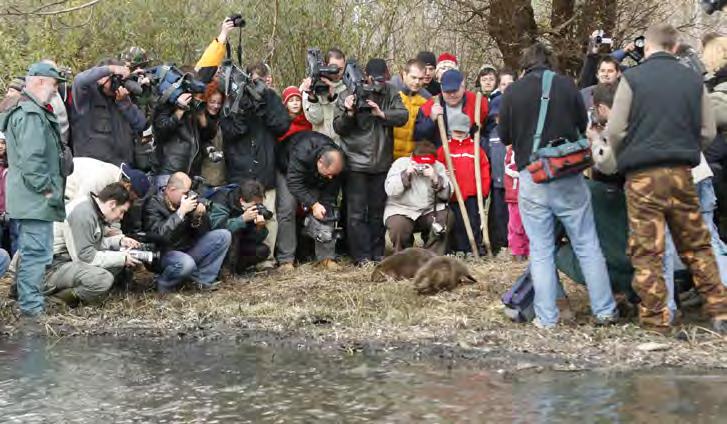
x=661 y=55
x=97 y=208
x=45 y=106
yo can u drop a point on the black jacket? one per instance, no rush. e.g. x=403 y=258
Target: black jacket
x=368 y=141
x=249 y=141
x=164 y=227
x=178 y=146
x=304 y=181
x=519 y=113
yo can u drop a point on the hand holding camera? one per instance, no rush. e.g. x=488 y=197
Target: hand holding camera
x=187 y=205
x=131 y=261
x=122 y=94
x=130 y=243
x=183 y=102
x=120 y=70
x=227 y=26
x=375 y=109
x=318 y=211
x=349 y=102
x=250 y=214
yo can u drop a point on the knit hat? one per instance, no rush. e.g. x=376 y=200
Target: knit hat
x=290 y=92
x=427 y=58
x=447 y=57
x=139 y=181
x=459 y=122
x=376 y=68
x=451 y=80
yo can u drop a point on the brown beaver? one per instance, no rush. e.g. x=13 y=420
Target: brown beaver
x=441 y=273
x=401 y=265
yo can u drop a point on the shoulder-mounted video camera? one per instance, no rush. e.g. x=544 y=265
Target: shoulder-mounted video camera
x=170 y=82
x=317 y=68
x=357 y=85
x=242 y=93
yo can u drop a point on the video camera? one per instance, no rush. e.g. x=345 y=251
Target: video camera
x=324 y=230
x=356 y=84
x=130 y=83
x=317 y=69
x=711 y=6
x=242 y=93
x=170 y=83
x=638 y=53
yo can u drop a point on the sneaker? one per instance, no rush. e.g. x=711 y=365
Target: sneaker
x=265 y=266
x=65 y=297
x=328 y=265
x=213 y=286
x=286 y=267
x=606 y=320
x=538 y=324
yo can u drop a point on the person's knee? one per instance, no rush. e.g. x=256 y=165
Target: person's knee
x=96 y=285
x=183 y=266
x=262 y=251
x=221 y=238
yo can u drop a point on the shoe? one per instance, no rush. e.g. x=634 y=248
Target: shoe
x=719 y=325
x=606 y=320
x=286 y=267
x=67 y=297
x=566 y=314
x=363 y=263
x=538 y=324
x=213 y=286
x=265 y=266
x=519 y=258
x=328 y=265
x=690 y=299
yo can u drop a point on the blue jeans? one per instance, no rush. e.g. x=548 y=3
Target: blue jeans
x=569 y=200
x=201 y=263
x=4 y=262
x=35 y=245
x=707 y=206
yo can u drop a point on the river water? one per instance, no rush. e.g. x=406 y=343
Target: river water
x=99 y=380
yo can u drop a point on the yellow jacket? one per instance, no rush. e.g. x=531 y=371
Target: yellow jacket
x=404 y=135
x=211 y=59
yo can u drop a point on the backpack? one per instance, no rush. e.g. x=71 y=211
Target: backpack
x=519 y=299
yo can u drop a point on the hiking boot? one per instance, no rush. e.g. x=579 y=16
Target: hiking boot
x=329 y=265
x=265 y=266
x=286 y=268
x=566 y=313
x=67 y=297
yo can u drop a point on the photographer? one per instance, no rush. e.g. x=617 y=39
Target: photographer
x=419 y=192
x=240 y=211
x=367 y=139
x=320 y=109
x=104 y=122
x=85 y=261
x=213 y=164
x=312 y=164
x=180 y=226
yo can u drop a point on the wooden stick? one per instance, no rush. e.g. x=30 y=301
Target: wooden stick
x=478 y=173
x=457 y=191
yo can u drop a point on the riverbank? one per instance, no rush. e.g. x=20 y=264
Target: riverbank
x=344 y=311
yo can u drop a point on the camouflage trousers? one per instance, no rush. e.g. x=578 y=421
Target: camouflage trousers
x=654 y=196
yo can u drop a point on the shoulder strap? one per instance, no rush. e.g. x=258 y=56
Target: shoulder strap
x=544 y=100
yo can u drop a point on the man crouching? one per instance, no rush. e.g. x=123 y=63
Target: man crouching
x=85 y=262
x=179 y=224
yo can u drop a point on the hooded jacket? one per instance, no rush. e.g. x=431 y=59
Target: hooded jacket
x=463 y=160
x=368 y=141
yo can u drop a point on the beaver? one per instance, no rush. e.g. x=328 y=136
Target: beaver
x=441 y=273
x=401 y=265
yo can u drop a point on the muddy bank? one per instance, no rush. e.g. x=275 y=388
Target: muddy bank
x=345 y=312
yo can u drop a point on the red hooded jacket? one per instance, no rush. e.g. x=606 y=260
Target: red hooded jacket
x=299 y=123
x=463 y=160
x=426 y=129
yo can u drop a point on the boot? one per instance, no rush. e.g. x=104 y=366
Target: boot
x=66 y=296
x=329 y=265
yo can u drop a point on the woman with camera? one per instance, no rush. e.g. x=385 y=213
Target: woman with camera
x=418 y=192
x=213 y=165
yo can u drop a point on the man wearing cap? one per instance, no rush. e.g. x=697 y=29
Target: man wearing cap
x=453 y=100
x=36 y=177
x=430 y=65
x=104 y=123
x=86 y=258
x=367 y=140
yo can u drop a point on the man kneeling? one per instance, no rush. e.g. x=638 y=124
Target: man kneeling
x=179 y=225
x=240 y=210
x=85 y=262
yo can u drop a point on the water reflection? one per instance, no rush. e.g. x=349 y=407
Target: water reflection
x=101 y=380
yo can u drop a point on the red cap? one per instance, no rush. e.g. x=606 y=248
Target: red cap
x=424 y=159
x=290 y=92
x=446 y=56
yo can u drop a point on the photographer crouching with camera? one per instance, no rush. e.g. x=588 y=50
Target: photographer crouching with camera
x=178 y=223
x=366 y=115
x=240 y=210
x=419 y=192
x=104 y=121
x=86 y=261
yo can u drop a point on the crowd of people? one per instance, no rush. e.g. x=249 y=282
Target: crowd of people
x=98 y=180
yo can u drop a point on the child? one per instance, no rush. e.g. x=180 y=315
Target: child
x=293 y=101
x=462 y=149
x=516 y=236
x=498 y=216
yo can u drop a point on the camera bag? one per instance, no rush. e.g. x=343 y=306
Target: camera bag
x=558 y=158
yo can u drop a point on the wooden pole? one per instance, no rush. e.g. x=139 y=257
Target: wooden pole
x=478 y=173
x=457 y=191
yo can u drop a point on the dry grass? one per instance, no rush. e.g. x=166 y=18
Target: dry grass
x=345 y=309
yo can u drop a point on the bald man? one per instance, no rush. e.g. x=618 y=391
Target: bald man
x=179 y=224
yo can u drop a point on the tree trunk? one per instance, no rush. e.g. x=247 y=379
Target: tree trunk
x=512 y=25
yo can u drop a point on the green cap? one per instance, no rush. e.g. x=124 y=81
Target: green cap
x=42 y=69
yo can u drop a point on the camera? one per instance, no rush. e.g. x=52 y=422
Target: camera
x=638 y=53
x=262 y=210
x=170 y=83
x=214 y=155
x=711 y=6
x=201 y=200
x=317 y=69
x=601 y=38
x=117 y=81
x=145 y=256
x=237 y=20
x=242 y=93
x=438 y=229
x=324 y=230
x=420 y=168
x=354 y=81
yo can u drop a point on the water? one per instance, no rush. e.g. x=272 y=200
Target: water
x=99 y=380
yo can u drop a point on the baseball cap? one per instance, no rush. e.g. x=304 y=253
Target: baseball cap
x=139 y=181
x=459 y=122
x=42 y=69
x=451 y=80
